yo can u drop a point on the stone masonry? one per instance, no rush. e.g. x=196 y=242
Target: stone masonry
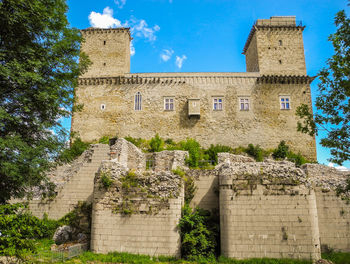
x=275 y=69
x=267 y=209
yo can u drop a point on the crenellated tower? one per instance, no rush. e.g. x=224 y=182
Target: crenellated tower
x=108 y=50
x=275 y=47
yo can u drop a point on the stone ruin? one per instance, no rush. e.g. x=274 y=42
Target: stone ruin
x=267 y=209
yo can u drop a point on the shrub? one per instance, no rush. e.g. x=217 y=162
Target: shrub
x=139 y=142
x=19 y=228
x=194 y=152
x=156 y=144
x=256 y=152
x=129 y=180
x=214 y=150
x=104 y=140
x=281 y=151
x=75 y=150
x=298 y=159
x=106 y=180
x=199 y=235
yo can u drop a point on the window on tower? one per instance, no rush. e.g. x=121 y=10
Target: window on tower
x=138 y=101
x=285 y=102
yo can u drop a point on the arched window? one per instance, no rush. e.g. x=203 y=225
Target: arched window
x=138 y=101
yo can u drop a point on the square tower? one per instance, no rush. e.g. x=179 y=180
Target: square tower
x=108 y=50
x=275 y=47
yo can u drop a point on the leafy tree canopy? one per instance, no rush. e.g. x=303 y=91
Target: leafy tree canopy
x=332 y=102
x=38 y=71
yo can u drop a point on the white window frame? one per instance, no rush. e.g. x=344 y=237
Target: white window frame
x=218 y=103
x=138 y=101
x=169 y=103
x=244 y=103
x=285 y=102
x=103 y=107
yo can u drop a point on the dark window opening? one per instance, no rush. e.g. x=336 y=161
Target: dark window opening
x=104 y=42
x=280 y=42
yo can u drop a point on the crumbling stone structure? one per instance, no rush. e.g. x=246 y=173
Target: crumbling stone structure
x=267 y=209
x=234 y=109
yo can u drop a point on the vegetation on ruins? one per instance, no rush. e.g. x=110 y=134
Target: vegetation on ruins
x=74 y=151
x=19 y=228
x=156 y=144
x=332 y=103
x=205 y=158
x=106 y=180
x=39 y=69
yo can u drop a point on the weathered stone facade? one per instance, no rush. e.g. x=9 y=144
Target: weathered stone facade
x=276 y=68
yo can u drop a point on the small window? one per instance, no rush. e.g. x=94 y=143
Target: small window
x=138 y=101
x=104 y=64
x=280 y=61
x=280 y=42
x=169 y=104
x=217 y=103
x=103 y=107
x=244 y=104
x=285 y=102
x=104 y=42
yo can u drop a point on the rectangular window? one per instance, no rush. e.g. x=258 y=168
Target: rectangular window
x=217 y=103
x=169 y=104
x=244 y=104
x=285 y=102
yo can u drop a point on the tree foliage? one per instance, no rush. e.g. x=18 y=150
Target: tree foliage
x=38 y=72
x=332 y=103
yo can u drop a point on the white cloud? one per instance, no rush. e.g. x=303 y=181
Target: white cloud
x=104 y=20
x=120 y=3
x=179 y=61
x=166 y=54
x=132 y=49
x=340 y=168
x=139 y=28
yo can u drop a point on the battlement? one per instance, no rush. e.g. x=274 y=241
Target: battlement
x=92 y=30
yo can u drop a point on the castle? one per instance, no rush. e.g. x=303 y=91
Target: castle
x=266 y=209
x=235 y=109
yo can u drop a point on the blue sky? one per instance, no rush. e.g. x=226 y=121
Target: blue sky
x=207 y=35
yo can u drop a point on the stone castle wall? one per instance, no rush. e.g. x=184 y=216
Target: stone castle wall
x=265 y=123
x=141 y=218
x=267 y=210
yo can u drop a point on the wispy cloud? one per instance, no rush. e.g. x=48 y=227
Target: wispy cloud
x=340 y=168
x=104 y=20
x=120 y=3
x=180 y=60
x=166 y=54
x=132 y=49
x=140 y=29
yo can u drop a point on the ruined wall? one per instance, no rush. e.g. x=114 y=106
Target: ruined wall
x=138 y=213
x=333 y=210
x=265 y=123
x=267 y=210
x=206 y=195
x=74 y=183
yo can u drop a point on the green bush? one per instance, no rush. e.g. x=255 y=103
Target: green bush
x=281 y=151
x=75 y=150
x=298 y=159
x=106 y=180
x=139 y=142
x=256 y=152
x=194 y=152
x=213 y=151
x=19 y=228
x=199 y=235
x=104 y=140
x=156 y=144
x=82 y=212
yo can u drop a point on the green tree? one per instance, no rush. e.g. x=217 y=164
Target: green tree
x=38 y=72
x=332 y=103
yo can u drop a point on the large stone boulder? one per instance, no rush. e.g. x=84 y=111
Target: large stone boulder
x=64 y=234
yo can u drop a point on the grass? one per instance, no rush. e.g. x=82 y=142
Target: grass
x=45 y=256
x=337 y=257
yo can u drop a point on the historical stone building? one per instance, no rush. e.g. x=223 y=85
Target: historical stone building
x=235 y=109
